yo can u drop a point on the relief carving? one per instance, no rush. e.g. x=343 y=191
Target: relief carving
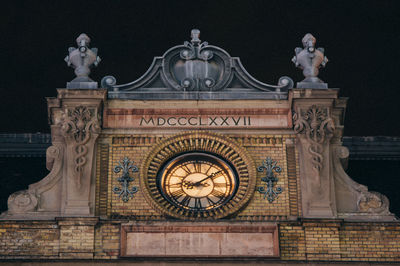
x=314 y=127
x=370 y=202
x=78 y=126
x=30 y=200
x=353 y=199
x=317 y=126
x=21 y=202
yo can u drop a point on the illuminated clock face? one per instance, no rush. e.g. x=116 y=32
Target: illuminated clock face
x=197 y=182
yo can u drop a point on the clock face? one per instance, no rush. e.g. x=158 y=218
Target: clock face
x=197 y=182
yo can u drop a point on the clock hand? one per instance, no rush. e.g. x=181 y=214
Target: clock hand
x=210 y=176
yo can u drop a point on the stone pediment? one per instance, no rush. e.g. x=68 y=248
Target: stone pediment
x=196 y=71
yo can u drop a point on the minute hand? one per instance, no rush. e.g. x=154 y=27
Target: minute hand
x=210 y=176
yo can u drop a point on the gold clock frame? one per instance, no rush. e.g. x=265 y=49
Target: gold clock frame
x=198 y=141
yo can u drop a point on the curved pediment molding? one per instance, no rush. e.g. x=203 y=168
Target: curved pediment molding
x=197 y=70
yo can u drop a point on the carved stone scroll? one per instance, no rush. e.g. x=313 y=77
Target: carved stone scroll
x=40 y=199
x=354 y=201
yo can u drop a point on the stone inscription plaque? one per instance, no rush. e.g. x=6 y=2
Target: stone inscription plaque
x=199 y=241
x=197 y=118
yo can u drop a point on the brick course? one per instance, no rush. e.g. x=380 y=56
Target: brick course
x=305 y=240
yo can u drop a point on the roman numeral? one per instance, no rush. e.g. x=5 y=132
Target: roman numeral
x=186 y=169
x=176 y=185
x=217 y=194
x=177 y=193
x=219 y=184
x=208 y=170
x=210 y=201
x=219 y=173
x=197 y=167
x=197 y=203
x=186 y=200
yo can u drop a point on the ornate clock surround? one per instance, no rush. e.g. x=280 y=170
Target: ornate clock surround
x=201 y=142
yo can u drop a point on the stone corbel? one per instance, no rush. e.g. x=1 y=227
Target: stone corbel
x=353 y=200
x=314 y=127
x=41 y=199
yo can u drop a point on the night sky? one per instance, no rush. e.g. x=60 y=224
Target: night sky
x=361 y=40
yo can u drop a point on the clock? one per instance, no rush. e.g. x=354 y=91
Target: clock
x=197 y=182
x=198 y=176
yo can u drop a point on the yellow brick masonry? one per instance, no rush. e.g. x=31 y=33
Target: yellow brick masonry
x=107 y=240
x=29 y=239
x=310 y=240
x=335 y=240
x=136 y=206
x=77 y=237
x=259 y=147
x=258 y=205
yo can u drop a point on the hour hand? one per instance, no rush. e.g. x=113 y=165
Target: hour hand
x=190 y=185
x=210 y=176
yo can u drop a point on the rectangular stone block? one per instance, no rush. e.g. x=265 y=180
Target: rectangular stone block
x=200 y=241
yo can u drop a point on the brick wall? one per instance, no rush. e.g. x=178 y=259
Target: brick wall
x=260 y=147
x=335 y=240
x=107 y=240
x=306 y=240
x=76 y=237
x=32 y=239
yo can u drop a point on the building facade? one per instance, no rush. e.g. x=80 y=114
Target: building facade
x=197 y=159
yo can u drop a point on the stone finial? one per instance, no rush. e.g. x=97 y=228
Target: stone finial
x=82 y=59
x=310 y=59
x=195 y=34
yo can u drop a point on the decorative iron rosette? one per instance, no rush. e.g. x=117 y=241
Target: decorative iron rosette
x=198 y=142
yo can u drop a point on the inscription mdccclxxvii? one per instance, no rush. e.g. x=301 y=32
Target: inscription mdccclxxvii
x=195 y=121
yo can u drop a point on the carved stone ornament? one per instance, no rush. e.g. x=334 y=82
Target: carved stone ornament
x=354 y=201
x=36 y=197
x=317 y=126
x=82 y=59
x=310 y=59
x=196 y=70
x=78 y=124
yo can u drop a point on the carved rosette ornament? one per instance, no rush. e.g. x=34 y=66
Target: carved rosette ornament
x=317 y=126
x=78 y=125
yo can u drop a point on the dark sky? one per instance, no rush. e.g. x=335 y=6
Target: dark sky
x=361 y=40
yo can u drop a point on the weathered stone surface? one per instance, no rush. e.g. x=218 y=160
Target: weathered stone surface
x=204 y=240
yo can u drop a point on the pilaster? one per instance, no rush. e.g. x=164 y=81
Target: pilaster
x=78 y=120
x=314 y=125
